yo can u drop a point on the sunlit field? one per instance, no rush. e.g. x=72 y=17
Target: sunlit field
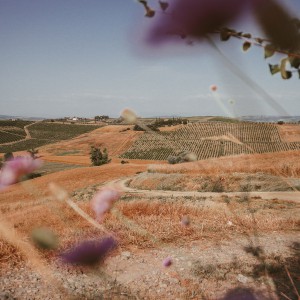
x=150 y=149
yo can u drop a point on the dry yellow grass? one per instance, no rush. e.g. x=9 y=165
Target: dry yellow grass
x=112 y=137
x=71 y=180
x=282 y=163
x=160 y=220
x=289 y=132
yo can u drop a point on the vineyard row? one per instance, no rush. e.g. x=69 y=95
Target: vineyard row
x=157 y=150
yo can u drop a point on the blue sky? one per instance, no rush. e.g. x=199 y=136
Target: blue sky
x=86 y=57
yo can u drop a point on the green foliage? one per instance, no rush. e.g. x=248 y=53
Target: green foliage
x=269 y=51
x=101 y=118
x=56 y=131
x=10 y=136
x=181 y=157
x=33 y=152
x=217 y=186
x=17 y=123
x=139 y=128
x=97 y=157
x=8 y=156
x=25 y=144
x=284 y=73
x=246 y=46
x=274 y=69
x=224 y=119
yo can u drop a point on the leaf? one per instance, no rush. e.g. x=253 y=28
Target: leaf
x=247 y=35
x=269 y=51
x=163 y=5
x=274 y=69
x=295 y=62
x=246 y=46
x=284 y=73
x=225 y=35
x=289 y=74
x=150 y=13
x=259 y=40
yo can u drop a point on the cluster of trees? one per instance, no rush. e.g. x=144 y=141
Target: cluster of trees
x=169 y=122
x=139 y=128
x=101 y=118
x=162 y=122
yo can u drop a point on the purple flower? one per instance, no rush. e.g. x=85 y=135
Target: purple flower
x=167 y=262
x=195 y=18
x=89 y=252
x=103 y=201
x=185 y=221
x=14 y=169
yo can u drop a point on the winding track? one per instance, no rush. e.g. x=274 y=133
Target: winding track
x=27 y=137
x=121 y=184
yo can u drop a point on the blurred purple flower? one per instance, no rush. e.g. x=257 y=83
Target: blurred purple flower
x=167 y=262
x=195 y=18
x=185 y=221
x=103 y=201
x=240 y=294
x=14 y=169
x=277 y=24
x=89 y=252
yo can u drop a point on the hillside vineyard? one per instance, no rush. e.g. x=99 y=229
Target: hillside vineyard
x=208 y=140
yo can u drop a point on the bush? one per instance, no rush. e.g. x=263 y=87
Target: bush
x=139 y=128
x=97 y=157
x=8 y=156
x=180 y=158
x=33 y=153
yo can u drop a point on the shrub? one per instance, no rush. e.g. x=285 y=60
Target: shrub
x=180 y=158
x=8 y=156
x=139 y=128
x=33 y=153
x=97 y=157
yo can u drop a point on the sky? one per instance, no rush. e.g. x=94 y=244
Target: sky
x=85 y=58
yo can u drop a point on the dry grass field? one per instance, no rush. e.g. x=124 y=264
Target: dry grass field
x=233 y=243
x=290 y=132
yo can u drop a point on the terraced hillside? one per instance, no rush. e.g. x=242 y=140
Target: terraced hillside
x=12 y=134
x=210 y=139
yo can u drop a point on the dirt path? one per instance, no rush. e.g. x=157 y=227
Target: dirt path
x=285 y=196
x=200 y=269
x=27 y=137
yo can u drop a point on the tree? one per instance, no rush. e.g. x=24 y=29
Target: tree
x=97 y=157
x=192 y=20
